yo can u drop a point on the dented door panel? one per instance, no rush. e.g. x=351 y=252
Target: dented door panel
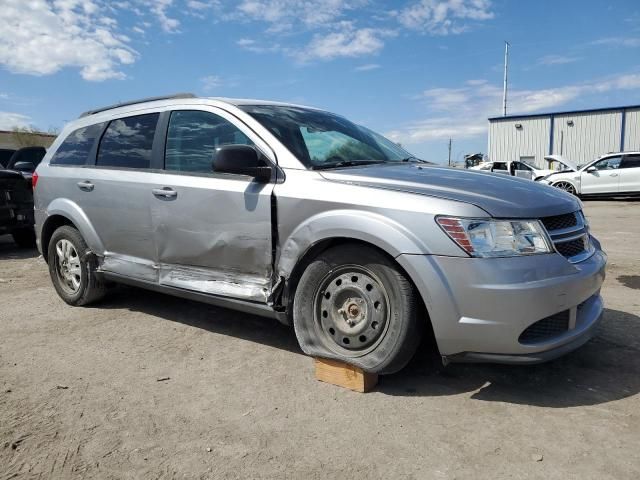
x=214 y=236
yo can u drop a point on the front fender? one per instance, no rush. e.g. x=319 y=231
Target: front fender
x=70 y=210
x=368 y=227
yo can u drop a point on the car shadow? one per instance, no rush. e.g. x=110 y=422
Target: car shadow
x=10 y=251
x=605 y=369
x=221 y=321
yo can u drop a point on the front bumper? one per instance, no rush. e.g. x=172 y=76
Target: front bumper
x=480 y=307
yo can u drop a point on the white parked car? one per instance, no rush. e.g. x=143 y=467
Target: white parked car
x=612 y=174
x=516 y=169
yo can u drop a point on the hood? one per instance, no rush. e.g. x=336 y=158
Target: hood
x=501 y=196
x=573 y=167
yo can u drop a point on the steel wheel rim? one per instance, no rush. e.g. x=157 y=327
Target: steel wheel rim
x=351 y=310
x=68 y=268
x=567 y=187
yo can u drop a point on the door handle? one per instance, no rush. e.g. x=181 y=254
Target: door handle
x=86 y=185
x=165 y=193
x=613 y=175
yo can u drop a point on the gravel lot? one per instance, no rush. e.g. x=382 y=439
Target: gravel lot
x=150 y=386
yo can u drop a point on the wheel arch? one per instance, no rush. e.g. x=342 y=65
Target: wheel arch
x=65 y=212
x=317 y=248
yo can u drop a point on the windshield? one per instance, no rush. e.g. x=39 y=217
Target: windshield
x=324 y=140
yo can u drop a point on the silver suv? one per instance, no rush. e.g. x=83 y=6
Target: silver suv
x=298 y=214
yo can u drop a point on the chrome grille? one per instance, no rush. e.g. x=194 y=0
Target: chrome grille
x=569 y=235
x=546 y=329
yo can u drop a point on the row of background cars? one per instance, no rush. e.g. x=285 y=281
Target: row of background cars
x=613 y=174
x=16 y=193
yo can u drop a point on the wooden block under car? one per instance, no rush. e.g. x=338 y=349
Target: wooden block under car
x=344 y=375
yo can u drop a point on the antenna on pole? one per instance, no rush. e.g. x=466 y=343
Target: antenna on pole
x=506 y=72
x=449 y=163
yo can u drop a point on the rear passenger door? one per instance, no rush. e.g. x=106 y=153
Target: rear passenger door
x=630 y=174
x=114 y=193
x=212 y=231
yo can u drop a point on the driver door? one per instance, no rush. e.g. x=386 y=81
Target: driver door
x=212 y=230
x=604 y=177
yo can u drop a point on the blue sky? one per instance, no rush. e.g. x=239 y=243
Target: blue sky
x=419 y=71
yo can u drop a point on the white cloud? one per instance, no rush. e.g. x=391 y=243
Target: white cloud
x=344 y=42
x=259 y=47
x=9 y=120
x=41 y=38
x=462 y=112
x=285 y=14
x=367 y=67
x=556 y=60
x=159 y=9
x=443 y=17
x=211 y=82
x=618 y=41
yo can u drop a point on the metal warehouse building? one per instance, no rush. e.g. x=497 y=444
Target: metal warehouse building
x=579 y=135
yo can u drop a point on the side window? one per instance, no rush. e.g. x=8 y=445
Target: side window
x=611 y=163
x=127 y=142
x=75 y=149
x=192 y=138
x=630 y=161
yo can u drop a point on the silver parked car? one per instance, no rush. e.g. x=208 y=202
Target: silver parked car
x=298 y=214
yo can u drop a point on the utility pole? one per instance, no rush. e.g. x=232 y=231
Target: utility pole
x=449 y=152
x=506 y=70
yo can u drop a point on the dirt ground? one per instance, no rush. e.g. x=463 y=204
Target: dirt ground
x=151 y=386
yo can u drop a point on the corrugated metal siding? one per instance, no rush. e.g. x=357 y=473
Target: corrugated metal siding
x=632 y=130
x=592 y=135
x=508 y=143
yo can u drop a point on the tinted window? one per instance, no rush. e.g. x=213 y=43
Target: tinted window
x=5 y=156
x=193 y=137
x=127 y=142
x=32 y=155
x=499 y=166
x=76 y=147
x=608 y=163
x=630 y=161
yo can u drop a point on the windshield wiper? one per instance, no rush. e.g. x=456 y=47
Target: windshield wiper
x=345 y=163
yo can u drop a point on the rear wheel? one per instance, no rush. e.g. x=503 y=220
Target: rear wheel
x=355 y=305
x=566 y=186
x=24 y=237
x=72 y=268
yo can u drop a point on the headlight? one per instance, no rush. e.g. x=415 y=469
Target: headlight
x=496 y=238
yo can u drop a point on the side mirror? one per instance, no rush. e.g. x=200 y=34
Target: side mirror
x=24 y=167
x=592 y=169
x=241 y=160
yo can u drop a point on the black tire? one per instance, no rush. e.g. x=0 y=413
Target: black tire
x=90 y=288
x=24 y=237
x=355 y=305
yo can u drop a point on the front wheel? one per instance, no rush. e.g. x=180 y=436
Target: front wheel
x=72 y=269
x=355 y=305
x=566 y=186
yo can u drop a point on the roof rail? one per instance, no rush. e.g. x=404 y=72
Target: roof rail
x=134 y=102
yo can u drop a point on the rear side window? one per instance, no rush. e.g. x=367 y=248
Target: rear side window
x=127 y=142
x=76 y=147
x=630 y=161
x=192 y=138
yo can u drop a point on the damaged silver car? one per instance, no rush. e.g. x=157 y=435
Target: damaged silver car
x=301 y=215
